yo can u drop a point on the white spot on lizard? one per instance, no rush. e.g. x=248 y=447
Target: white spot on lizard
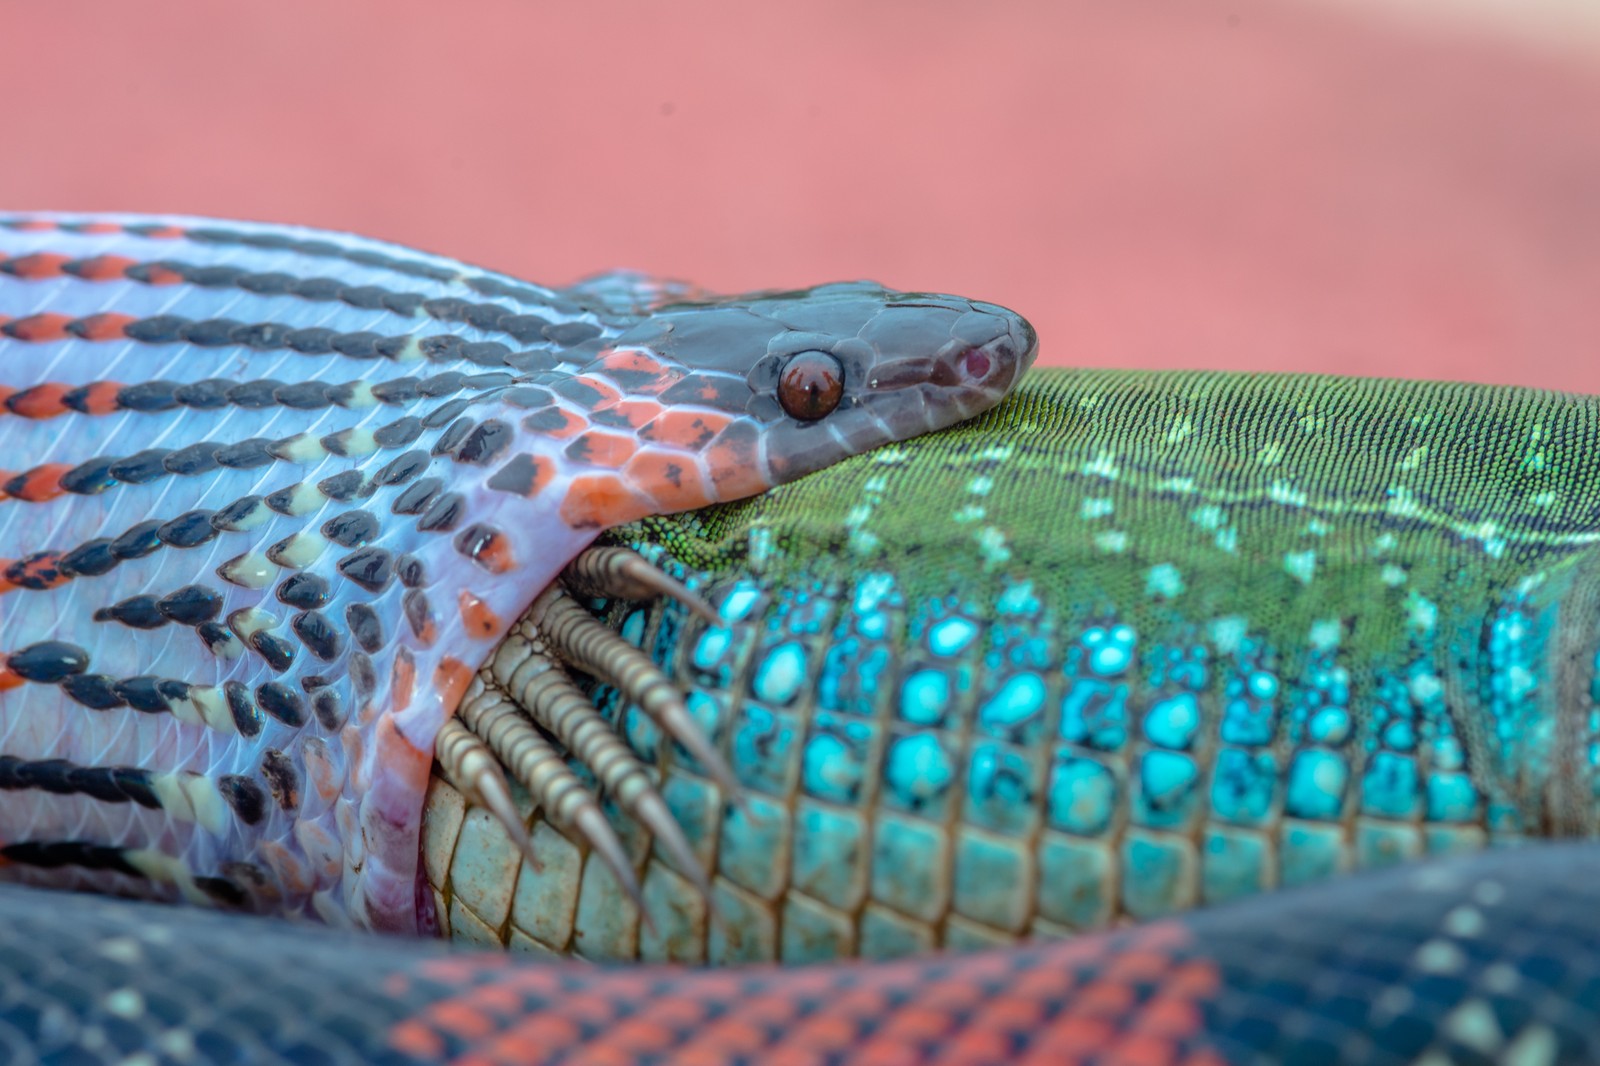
x=1113 y=542
x=1164 y=581
x=1102 y=465
x=1096 y=507
x=1301 y=566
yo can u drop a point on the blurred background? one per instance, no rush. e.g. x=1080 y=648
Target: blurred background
x=1399 y=187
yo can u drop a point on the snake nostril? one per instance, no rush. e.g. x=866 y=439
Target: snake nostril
x=970 y=366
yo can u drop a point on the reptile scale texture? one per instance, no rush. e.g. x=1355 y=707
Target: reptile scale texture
x=272 y=495
x=1128 y=644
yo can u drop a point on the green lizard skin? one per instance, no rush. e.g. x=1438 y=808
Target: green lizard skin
x=882 y=816
x=1130 y=643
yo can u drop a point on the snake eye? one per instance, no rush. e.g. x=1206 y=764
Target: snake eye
x=811 y=385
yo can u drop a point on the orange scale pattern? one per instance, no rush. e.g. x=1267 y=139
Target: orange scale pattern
x=1064 y=1003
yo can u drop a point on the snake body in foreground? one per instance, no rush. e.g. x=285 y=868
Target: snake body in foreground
x=1129 y=644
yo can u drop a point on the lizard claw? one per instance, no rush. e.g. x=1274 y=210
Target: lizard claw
x=525 y=716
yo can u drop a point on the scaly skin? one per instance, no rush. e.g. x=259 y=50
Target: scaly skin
x=1466 y=962
x=1130 y=643
x=273 y=494
x=1485 y=960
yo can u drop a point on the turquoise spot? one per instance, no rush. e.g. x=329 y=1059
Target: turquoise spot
x=1331 y=725
x=1451 y=798
x=781 y=674
x=1242 y=785
x=669 y=636
x=1190 y=673
x=1390 y=788
x=873 y=626
x=1018 y=599
x=805 y=612
x=1172 y=722
x=917 y=771
x=1447 y=754
x=1262 y=684
x=1019 y=700
x=1095 y=713
x=1166 y=788
x=1082 y=795
x=711 y=647
x=765 y=749
x=641 y=733
x=872 y=591
x=851 y=677
x=834 y=765
x=1110 y=649
x=1317 y=781
x=1001 y=789
x=1339 y=688
x=825 y=752
x=951 y=636
x=924 y=697
x=607 y=701
x=740 y=600
x=1246 y=723
x=834 y=677
x=1399 y=736
x=633 y=628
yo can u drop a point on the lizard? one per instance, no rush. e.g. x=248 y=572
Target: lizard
x=1129 y=643
x=1471 y=960
x=273 y=494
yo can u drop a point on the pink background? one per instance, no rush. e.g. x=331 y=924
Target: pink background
x=1153 y=182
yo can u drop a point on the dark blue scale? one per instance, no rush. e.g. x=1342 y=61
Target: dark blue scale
x=282 y=778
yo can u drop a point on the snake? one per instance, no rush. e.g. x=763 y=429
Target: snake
x=312 y=488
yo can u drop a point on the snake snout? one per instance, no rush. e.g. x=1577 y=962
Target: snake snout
x=989 y=349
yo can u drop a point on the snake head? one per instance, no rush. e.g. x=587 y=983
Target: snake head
x=767 y=387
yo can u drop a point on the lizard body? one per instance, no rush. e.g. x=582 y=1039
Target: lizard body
x=1469 y=960
x=1130 y=643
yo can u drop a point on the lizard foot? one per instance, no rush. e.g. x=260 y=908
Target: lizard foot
x=524 y=716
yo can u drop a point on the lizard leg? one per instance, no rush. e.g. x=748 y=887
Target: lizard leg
x=524 y=715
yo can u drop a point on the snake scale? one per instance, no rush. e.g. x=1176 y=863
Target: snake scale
x=197 y=558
